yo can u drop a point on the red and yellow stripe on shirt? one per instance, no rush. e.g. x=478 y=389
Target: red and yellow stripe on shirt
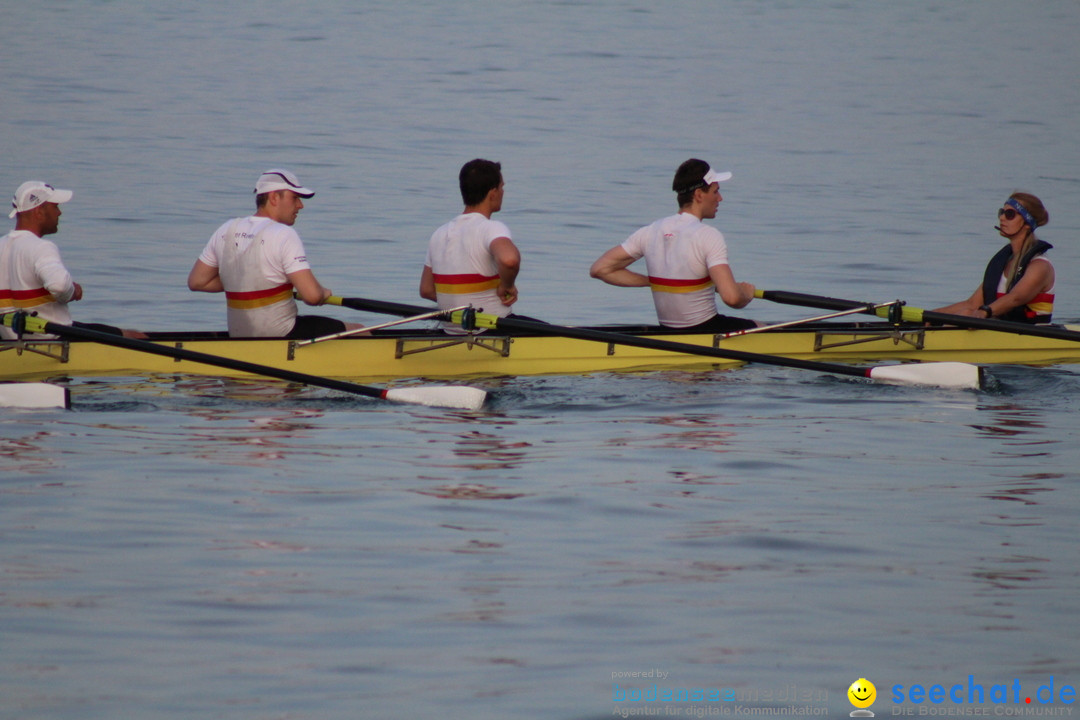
x=1041 y=304
x=25 y=298
x=258 y=298
x=466 y=283
x=672 y=285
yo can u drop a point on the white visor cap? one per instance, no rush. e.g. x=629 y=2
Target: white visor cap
x=714 y=177
x=277 y=179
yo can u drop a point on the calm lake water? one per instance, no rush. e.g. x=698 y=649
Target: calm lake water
x=179 y=547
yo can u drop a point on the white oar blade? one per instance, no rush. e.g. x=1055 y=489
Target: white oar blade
x=939 y=374
x=450 y=396
x=34 y=395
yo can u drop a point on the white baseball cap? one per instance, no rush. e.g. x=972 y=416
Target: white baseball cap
x=278 y=179
x=34 y=193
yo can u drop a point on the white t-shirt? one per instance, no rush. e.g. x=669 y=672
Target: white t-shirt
x=33 y=278
x=253 y=256
x=678 y=252
x=464 y=270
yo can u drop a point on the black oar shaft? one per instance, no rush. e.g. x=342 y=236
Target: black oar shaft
x=678 y=347
x=540 y=328
x=381 y=306
x=917 y=315
x=71 y=331
x=818 y=301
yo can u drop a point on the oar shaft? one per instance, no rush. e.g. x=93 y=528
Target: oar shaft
x=913 y=314
x=825 y=303
x=795 y=323
x=81 y=333
x=378 y=306
x=1016 y=328
x=380 y=326
x=540 y=328
x=954 y=375
x=677 y=347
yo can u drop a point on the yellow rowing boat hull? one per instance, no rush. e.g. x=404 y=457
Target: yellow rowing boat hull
x=433 y=355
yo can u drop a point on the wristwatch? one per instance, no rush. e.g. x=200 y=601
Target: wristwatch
x=986 y=309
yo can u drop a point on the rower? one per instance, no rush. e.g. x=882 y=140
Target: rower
x=259 y=261
x=32 y=275
x=472 y=259
x=686 y=259
x=1018 y=284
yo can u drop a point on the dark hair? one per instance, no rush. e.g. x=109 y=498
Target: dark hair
x=1033 y=205
x=260 y=200
x=688 y=178
x=477 y=178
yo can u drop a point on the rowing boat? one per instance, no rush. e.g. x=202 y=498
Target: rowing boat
x=394 y=354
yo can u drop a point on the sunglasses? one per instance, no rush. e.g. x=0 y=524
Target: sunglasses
x=1007 y=213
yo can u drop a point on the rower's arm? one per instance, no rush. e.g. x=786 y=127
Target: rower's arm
x=427 y=284
x=308 y=288
x=53 y=276
x=204 y=278
x=612 y=268
x=508 y=260
x=969 y=307
x=734 y=294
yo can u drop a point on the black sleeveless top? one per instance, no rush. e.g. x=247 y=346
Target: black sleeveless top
x=992 y=278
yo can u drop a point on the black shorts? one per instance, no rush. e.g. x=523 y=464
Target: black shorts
x=721 y=324
x=313 y=326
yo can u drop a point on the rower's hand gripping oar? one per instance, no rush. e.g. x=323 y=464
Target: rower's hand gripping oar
x=943 y=374
x=451 y=396
x=899 y=312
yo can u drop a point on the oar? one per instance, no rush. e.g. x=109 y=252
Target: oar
x=944 y=374
x=34 y=395
x=465 y=397
x=914 y=314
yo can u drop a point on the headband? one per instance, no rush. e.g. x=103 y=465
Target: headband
x=1015 y=204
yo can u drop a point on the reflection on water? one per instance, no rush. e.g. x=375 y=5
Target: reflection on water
x=1011 y=420
x=1012 y=572
x=485 y=451
x=470 y=491
x=29 y=453
x=692 y=432
x=1029 y=491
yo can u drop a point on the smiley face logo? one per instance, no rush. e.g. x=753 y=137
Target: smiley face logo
x=862 y=693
